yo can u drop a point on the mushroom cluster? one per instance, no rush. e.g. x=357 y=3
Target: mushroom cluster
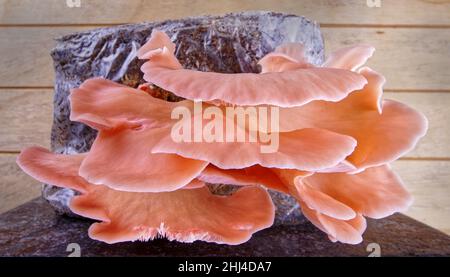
x=335 y=137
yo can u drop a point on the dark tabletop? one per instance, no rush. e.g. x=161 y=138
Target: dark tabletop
x=34 y=229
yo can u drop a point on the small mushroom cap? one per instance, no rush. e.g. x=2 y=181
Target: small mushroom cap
x=285 y=57
x=350 y=58
x=249 y=176
x=157 y=39
x=345 y=231
x=323 y=203
x=53 y=169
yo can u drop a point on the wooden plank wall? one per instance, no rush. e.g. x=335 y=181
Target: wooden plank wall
x=412 y=38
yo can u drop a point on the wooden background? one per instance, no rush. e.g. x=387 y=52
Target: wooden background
x=412 y=39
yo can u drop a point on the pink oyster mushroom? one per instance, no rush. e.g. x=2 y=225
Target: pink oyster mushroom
x=384 y=129
x=336 y=139
x=336 y=203
x=100 y=104
x=183 y=215
x=289 y=88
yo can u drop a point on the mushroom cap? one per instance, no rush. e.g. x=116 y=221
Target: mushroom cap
x=384 y=129
x=184 y=215
x=285 y=89
x=249 y=176
x=149 y=130
x=336 y=203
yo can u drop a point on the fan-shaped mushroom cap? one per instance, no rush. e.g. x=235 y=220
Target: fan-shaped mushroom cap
x=285 y=89
x=384 y=130
x=336 y=203
x=184 y=215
